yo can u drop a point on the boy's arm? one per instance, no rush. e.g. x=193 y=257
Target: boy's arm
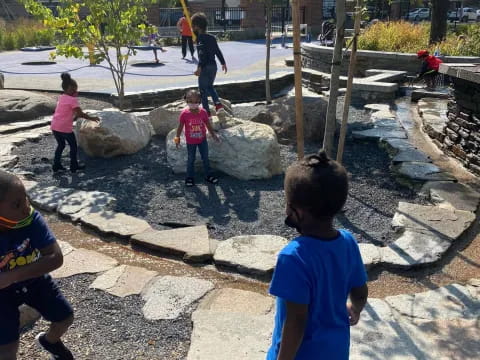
x=219 y=54
x=51 y=259
x=358 y=298
x=179 y=132
x=293 y=330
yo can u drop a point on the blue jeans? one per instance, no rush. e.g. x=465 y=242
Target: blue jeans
x=192 y=154
x=205 y=83
x=62 y=138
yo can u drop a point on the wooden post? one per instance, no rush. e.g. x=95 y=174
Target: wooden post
x=331 y=120
x=268 y=94
x=351 y=71
x=187 y=16
x=298 y=77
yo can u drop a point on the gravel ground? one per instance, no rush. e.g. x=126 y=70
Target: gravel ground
x=118 y=329
x=145 y=187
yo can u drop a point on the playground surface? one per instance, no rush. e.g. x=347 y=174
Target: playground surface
x=245 y=60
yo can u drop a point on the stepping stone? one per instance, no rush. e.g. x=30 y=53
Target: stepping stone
x=420 y=171
x=377 y=107
x=448 y=302
x=422 y=93
x=370 y=254
x=456 y=195
x=24 y=125
x=415 y=248
x=192 y=243
x=167 y=297
x=432 y=219
x=29 y=184
x=83 y=261
x=434 y=125
x=120 y=224
x=394 y=146
x=8 y=161
x=82 y=203
x=66 y=247
x=378 y=134
x=47 y=198
x=124 y=280
x=411 y=155
x=241 y=336
x=229 y=301
x=251 y=254
x=28 y=316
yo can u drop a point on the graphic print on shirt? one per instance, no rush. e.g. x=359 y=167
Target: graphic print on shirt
x=21 y=255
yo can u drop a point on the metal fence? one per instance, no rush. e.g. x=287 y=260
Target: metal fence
x=282 y=15
x=219 y=19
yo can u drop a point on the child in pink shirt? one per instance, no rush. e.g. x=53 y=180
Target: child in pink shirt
x=67 y=110
x=196 y=122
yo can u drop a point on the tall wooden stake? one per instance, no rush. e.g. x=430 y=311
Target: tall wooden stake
x=187 y=16
x=331 y=120
x=297 y=63
x=351 y=71
x=268 y=8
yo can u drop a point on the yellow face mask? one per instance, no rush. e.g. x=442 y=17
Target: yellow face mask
x=9 y=224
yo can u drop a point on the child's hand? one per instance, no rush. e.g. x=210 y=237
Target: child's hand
x=224 y=68
x=354 y=315
x=197 y=72
x=176 y=140
x=5 y=280
x=215 y=137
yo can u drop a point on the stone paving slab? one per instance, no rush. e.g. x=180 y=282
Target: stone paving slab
x=66 y=247
x=81 y=261
x=449 y=302
x=378 y=134
x=251 y=254
x=167 y=297
x=377 y=107
x=229 y=300
x=82 y=203
x=421 y=171
x=394 y=146
x=124 y=280
x=192 y=243
x=120 y=224
x=24 y=125
x=448 y=223
x=8 y=161
x=459 y=196
x=411 y=155
x=371 y=254
x=47 y=198
x=415 y=248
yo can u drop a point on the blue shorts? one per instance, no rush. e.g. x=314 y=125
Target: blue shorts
x=41 y=294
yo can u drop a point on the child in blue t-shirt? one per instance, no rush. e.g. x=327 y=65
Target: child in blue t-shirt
x=317 y=272
x=28 y=252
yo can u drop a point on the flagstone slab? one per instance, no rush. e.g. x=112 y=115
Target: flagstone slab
x=448 y=302
x=378 y=134
x=24 y=125
x=8 y=161
x=82 y=261
x=124 y=280
x=47 y=198
x=228 y=300
x=371 y=254
x=251 y=254
x=422 y=171
x=415 y=248
x=167 y=297
x=411 y=155
x=66 y=247
x=394 y=146
x=192 y=243
x=449 y=223
x=221 y=335
x=120 y=224
x=459 y=196
x=82 y=203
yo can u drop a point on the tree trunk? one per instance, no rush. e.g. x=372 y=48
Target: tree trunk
x=268 y=94
x=335 y=79
x=438 y=28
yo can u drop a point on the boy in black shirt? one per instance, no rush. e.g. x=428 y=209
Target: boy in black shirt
x=207 y=48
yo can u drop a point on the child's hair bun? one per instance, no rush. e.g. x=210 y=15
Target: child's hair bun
x=319 y=159
x=66 y=77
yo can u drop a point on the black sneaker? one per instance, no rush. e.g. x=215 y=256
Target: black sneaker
x=76 y=168
x=57 y=168
x=57 y=350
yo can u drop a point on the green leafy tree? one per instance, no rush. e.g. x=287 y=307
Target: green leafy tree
x=109 y=28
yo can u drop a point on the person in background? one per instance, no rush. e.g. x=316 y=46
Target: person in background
x=429 y=69
x=186 y=32
x=318 y=271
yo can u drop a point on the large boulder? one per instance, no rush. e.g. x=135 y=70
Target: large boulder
x=165 y=118
x=280 y=115
x=118 y=133
x=247 y=151
x=24 y=105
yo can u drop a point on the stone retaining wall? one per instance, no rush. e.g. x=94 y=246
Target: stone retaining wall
x=319 y=58
x=461 y=135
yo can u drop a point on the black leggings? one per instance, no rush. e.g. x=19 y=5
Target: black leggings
x=72 y=142
x=189 y=40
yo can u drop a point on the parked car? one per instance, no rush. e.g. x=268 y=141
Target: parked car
x=419 y=14
x=468 y=14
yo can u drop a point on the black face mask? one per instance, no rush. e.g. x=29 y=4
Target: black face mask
x=292 y=223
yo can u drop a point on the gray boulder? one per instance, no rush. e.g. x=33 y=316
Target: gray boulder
x=24 y=105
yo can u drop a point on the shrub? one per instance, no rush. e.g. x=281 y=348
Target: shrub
x=9 y=41
x=24 y=32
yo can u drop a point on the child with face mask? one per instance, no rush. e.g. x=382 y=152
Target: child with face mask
x=66 y=111
x=318 y=271
x=195 y=120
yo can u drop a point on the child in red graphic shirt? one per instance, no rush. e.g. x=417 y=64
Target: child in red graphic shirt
x=195 y=120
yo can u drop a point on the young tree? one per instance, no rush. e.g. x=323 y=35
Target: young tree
x=108 y=24
x=438 y=27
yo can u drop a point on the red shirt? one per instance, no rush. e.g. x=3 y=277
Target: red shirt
x=186 y=30
x=195 y=125
x=433 y=63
